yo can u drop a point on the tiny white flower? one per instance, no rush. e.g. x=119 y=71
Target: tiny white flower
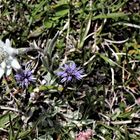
x=8 y=58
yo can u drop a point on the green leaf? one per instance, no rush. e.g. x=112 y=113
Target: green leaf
x=37 y=32
x=107 y=60
x=61 y=10
x=115 y=115
x=125 y=115
x=48 y=23
x=38 y=7
x=110 y=15
x=24 y=134
x=4 y=119
x=84 y=35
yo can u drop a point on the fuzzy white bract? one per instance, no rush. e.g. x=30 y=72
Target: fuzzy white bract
x=8 y=58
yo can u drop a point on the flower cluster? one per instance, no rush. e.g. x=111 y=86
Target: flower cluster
x=69 y=72
x=85 y=135
x=7 y=58
x=24 y=78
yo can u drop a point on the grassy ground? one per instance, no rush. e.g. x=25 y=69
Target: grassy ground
x=102 y=37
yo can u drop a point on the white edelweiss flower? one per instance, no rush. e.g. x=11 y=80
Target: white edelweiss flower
x=8 y=59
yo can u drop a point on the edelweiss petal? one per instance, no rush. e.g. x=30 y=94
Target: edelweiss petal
x=15 y=64
x=7 y=58
x=3 y=65
x=11 y=51
x=8 y=71
x=1 y=72
x=1 y=44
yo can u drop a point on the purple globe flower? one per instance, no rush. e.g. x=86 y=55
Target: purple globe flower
x=70 y=72
x=25 y=78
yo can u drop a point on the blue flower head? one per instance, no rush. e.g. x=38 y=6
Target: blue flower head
x=70 y=72
x=25 y=78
